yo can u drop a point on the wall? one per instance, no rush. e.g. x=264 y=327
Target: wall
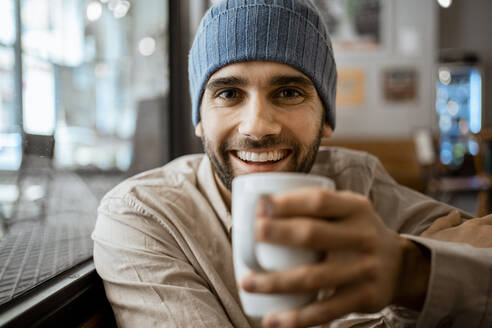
x=467 y=25
x=409 y=40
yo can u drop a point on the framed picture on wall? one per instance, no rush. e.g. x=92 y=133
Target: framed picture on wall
x=351 y=88
x=355 y=25
x=400 y=84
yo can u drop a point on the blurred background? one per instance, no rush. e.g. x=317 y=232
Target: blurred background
x=94 y=91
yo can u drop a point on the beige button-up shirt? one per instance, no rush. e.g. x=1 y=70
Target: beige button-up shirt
x=162 y=245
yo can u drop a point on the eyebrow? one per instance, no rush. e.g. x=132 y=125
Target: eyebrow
x=290 y=79
x=278 y=80
x=226 y=82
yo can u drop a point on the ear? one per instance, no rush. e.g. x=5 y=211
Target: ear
x=327 y=131
x=198 y=130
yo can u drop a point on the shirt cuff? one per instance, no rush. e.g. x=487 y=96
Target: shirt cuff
x=459 y=293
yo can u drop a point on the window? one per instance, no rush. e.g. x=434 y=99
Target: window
x=10 y=139
x=73 y=89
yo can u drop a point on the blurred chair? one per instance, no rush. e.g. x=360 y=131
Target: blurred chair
x=481 y=159
x=39 y=145
x=34 y=178
x=414 y=164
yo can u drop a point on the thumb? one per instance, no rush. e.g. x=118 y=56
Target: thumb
x=451 y=220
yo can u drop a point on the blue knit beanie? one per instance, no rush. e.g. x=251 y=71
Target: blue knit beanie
x=285 y=31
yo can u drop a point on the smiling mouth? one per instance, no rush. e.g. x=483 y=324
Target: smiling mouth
x=261 y=157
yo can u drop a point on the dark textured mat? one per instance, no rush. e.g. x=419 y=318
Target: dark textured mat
x=33 y=253
x=49 y=235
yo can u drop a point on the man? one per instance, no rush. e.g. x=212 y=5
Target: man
x=262 y=81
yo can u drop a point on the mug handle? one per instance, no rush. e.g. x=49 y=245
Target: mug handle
x=248 y=249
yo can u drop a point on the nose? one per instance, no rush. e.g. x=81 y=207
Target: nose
x=258 y=119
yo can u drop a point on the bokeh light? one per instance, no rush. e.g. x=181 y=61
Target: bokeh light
x=120 y=8
x=445 y=3
x=446 y=156
x=445 y=76
x=147 y=46
x=94 y=11
x=473 y=147
x=464 y=126
x=445 y=123
x=453 y=108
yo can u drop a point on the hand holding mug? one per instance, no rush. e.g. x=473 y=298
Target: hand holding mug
x=383 y=268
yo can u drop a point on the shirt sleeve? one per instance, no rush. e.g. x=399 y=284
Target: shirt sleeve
x=146 y=276
x=460 y=285
x=459 y=293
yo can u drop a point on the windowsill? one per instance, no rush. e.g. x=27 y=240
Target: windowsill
x=50 y=299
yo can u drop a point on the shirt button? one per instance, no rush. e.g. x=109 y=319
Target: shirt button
x=446 y=322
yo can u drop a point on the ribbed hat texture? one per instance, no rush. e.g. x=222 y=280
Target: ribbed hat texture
x=284 y=31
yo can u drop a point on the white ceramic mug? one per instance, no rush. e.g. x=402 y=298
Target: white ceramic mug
x=252 y=256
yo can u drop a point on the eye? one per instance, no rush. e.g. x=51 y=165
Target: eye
x=289 y=93
x=288 y=96
x=228 y=94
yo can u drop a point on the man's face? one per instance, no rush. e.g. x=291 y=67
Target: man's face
x=260 y=117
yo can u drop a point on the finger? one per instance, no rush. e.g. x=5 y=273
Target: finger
x=344 y=301
x=453 y=219
x=311 y=202
x=307 y=278
x=308 y=233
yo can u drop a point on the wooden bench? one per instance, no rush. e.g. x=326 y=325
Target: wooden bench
x=398 y=157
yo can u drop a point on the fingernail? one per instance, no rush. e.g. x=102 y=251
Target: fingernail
x=265 y=206
x=273 y=322
x=249 y=284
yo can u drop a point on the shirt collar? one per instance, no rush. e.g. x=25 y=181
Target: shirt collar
x=210 y=190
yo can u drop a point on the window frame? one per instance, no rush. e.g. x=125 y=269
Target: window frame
x=77 y=294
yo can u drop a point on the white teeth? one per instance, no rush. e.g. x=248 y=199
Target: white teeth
x=261 y=157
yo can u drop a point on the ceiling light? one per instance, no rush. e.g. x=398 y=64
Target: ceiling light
x=445 y=3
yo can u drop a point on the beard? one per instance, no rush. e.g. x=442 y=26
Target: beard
x=302 y=160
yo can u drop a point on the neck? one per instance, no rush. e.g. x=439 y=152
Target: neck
x=224 y=192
